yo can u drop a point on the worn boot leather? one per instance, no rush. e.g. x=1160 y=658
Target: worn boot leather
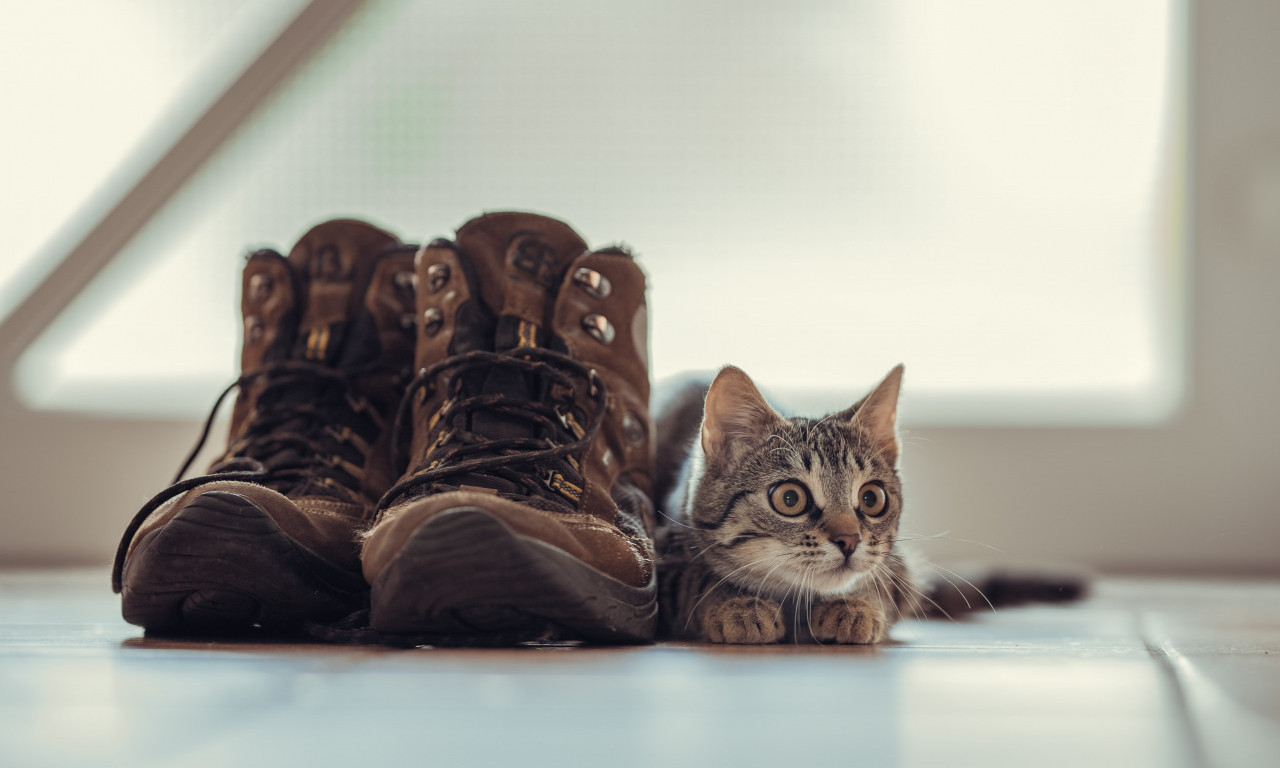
x=525 y=512
x=269 y=538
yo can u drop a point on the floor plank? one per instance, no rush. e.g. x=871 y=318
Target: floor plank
x=1143 y=673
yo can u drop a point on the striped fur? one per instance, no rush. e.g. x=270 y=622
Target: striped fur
x=733 y=568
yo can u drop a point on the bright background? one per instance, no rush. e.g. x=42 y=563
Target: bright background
x=1064 y=217
x=986 y=191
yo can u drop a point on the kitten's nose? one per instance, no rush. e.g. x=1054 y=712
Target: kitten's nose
x=847 y=542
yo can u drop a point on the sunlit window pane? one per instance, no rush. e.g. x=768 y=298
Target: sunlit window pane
x=985 y=191
x=89 y=89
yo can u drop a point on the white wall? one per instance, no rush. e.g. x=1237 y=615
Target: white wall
x=1201 y=493
x=1195 y=494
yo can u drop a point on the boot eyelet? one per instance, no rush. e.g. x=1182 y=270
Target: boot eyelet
x=406 y=281
x=260 y=286
x=407 y=321
x=254 y=329
x=432 y=321
x=598 y=327
x=437 y=276
x=592 y=282
x=633 y=429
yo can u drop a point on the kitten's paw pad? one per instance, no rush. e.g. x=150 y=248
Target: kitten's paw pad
x=847 y=621
x=745 y=620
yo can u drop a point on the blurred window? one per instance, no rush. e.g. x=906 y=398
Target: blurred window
x=88 y=87
x=988 y=191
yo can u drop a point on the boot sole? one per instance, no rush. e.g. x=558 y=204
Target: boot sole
x=465 y=574
x=223 y=566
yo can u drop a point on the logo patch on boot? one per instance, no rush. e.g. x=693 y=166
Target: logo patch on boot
x=535 y=258
x=326 y=265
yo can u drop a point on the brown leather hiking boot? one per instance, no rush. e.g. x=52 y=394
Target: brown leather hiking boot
x=270 y=537
x=526 y=511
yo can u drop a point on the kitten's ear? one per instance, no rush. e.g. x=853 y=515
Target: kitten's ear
x=736 y=416
x=878 y=413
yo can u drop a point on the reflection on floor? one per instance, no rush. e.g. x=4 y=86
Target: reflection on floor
x=1143 y=673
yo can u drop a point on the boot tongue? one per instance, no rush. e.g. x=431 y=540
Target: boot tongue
x=518 y=259
x=525 y=255
x=334 y=262
x=332 y=266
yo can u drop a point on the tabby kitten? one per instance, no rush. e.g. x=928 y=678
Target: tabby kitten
x=780 y=528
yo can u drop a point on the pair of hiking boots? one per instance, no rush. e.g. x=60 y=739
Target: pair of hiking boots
x=456 y=437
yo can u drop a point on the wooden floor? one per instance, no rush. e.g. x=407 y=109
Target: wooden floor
x=1143 y=673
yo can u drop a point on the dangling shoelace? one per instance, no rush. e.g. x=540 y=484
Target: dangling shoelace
x=285 y=439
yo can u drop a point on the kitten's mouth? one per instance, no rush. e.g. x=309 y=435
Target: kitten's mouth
x=835 y=579
x=850 y=566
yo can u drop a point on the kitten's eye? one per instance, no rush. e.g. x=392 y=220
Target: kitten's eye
x=789 y=498
x=872 y=500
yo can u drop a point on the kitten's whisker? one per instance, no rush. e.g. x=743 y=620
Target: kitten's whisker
x=954 y=586
x=793 y=596
x=727 y=576
x=907 y=438
x=981 y=594
x=887 y=580
x=680 y=523
x=811 y=598
x=884 y=592
x=911 y=595
x=980 y=544
x=880 y=590
x=701 y=552
x=945 y=536
x=918 y=598
x=808 y=613
x=825 y=419
x=795 y=452
x=764 y=581
x=907 y=585
x=802 y=594
x=782 y=602
x=795 y=609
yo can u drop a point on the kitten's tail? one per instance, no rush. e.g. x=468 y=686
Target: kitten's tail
x=952 y=593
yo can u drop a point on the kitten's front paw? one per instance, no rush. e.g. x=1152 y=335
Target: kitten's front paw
x=847 y=621
x=744 y=620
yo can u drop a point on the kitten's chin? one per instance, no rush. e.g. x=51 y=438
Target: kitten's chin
x=837 y=580
x=840 y=579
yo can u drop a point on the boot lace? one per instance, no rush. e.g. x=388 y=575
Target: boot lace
x=307 y=433
x=546 y=464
